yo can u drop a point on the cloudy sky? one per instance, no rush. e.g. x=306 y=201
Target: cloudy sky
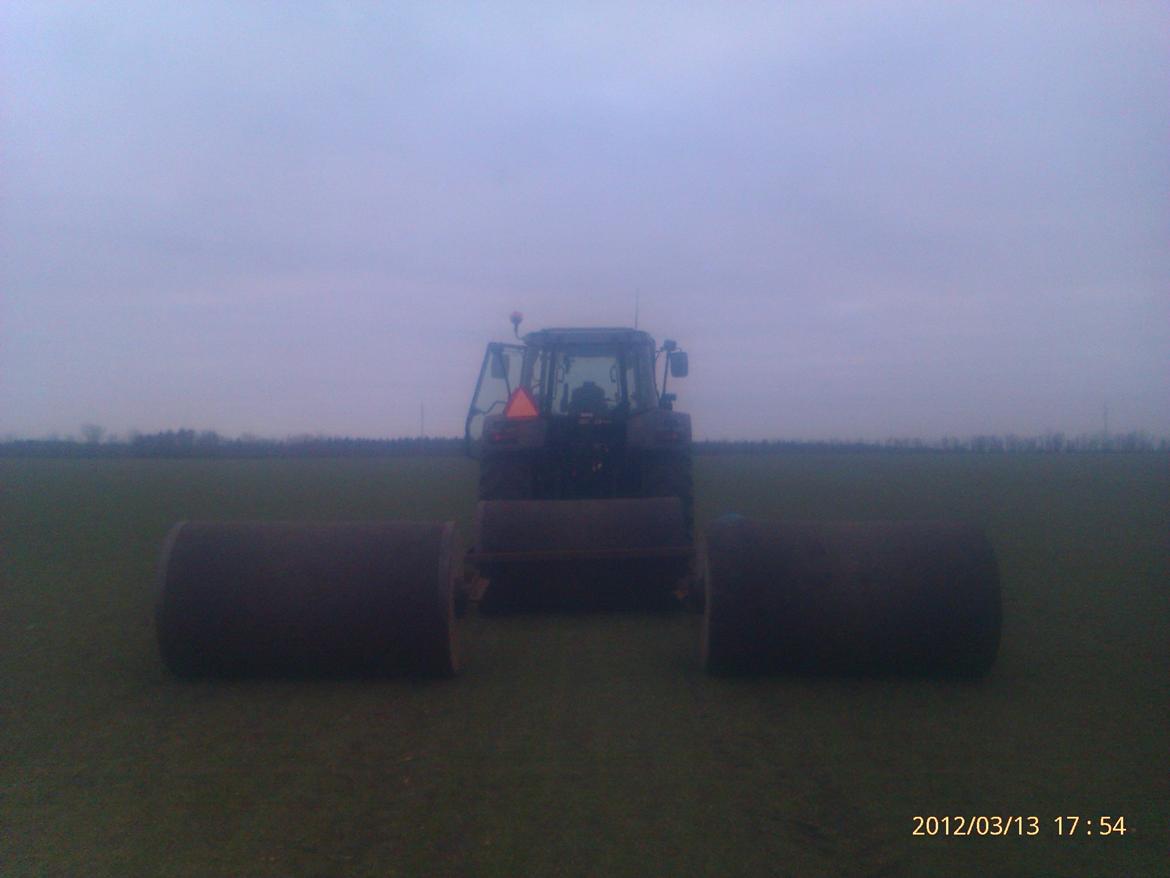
x=860 y=220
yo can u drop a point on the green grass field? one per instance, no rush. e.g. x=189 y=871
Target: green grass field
x=585 y=744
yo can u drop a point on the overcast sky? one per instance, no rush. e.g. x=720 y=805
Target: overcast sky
x=860 y=220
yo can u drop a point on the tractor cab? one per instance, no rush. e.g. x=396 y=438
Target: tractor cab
x=587 y=377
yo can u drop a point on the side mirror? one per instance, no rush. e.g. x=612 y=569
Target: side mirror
x=499 y=364
x=678 y=364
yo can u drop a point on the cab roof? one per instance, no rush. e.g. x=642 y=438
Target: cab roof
x=588 y=336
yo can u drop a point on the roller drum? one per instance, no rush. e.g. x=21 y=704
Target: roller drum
x=588 y=554
x=270 y=597
x=860 y=597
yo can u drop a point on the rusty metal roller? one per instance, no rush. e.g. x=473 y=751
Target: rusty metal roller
x=260 y=598
x=855 y=597
x=584 y=554
x=511 y=530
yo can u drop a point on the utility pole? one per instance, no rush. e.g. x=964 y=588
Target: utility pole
x=637 y=293
x=422 y=420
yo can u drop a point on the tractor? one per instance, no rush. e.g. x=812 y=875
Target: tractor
x=585 y=502
x=585 y=492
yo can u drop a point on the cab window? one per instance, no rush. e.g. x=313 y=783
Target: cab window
x=586 y=380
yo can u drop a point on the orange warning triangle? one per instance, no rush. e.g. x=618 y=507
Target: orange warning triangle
x=520 y=404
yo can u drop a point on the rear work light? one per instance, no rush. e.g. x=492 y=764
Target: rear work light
x=521 y=405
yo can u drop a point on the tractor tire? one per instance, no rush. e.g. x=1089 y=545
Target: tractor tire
x=505 y=477
x=669 y=474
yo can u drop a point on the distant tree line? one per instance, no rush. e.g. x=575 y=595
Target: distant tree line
x=1048 y=443
x=209 y=444
x=95 y=442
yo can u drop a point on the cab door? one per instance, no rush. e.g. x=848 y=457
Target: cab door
x=498 y=377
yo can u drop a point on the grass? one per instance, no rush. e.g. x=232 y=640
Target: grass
x=584 y=745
